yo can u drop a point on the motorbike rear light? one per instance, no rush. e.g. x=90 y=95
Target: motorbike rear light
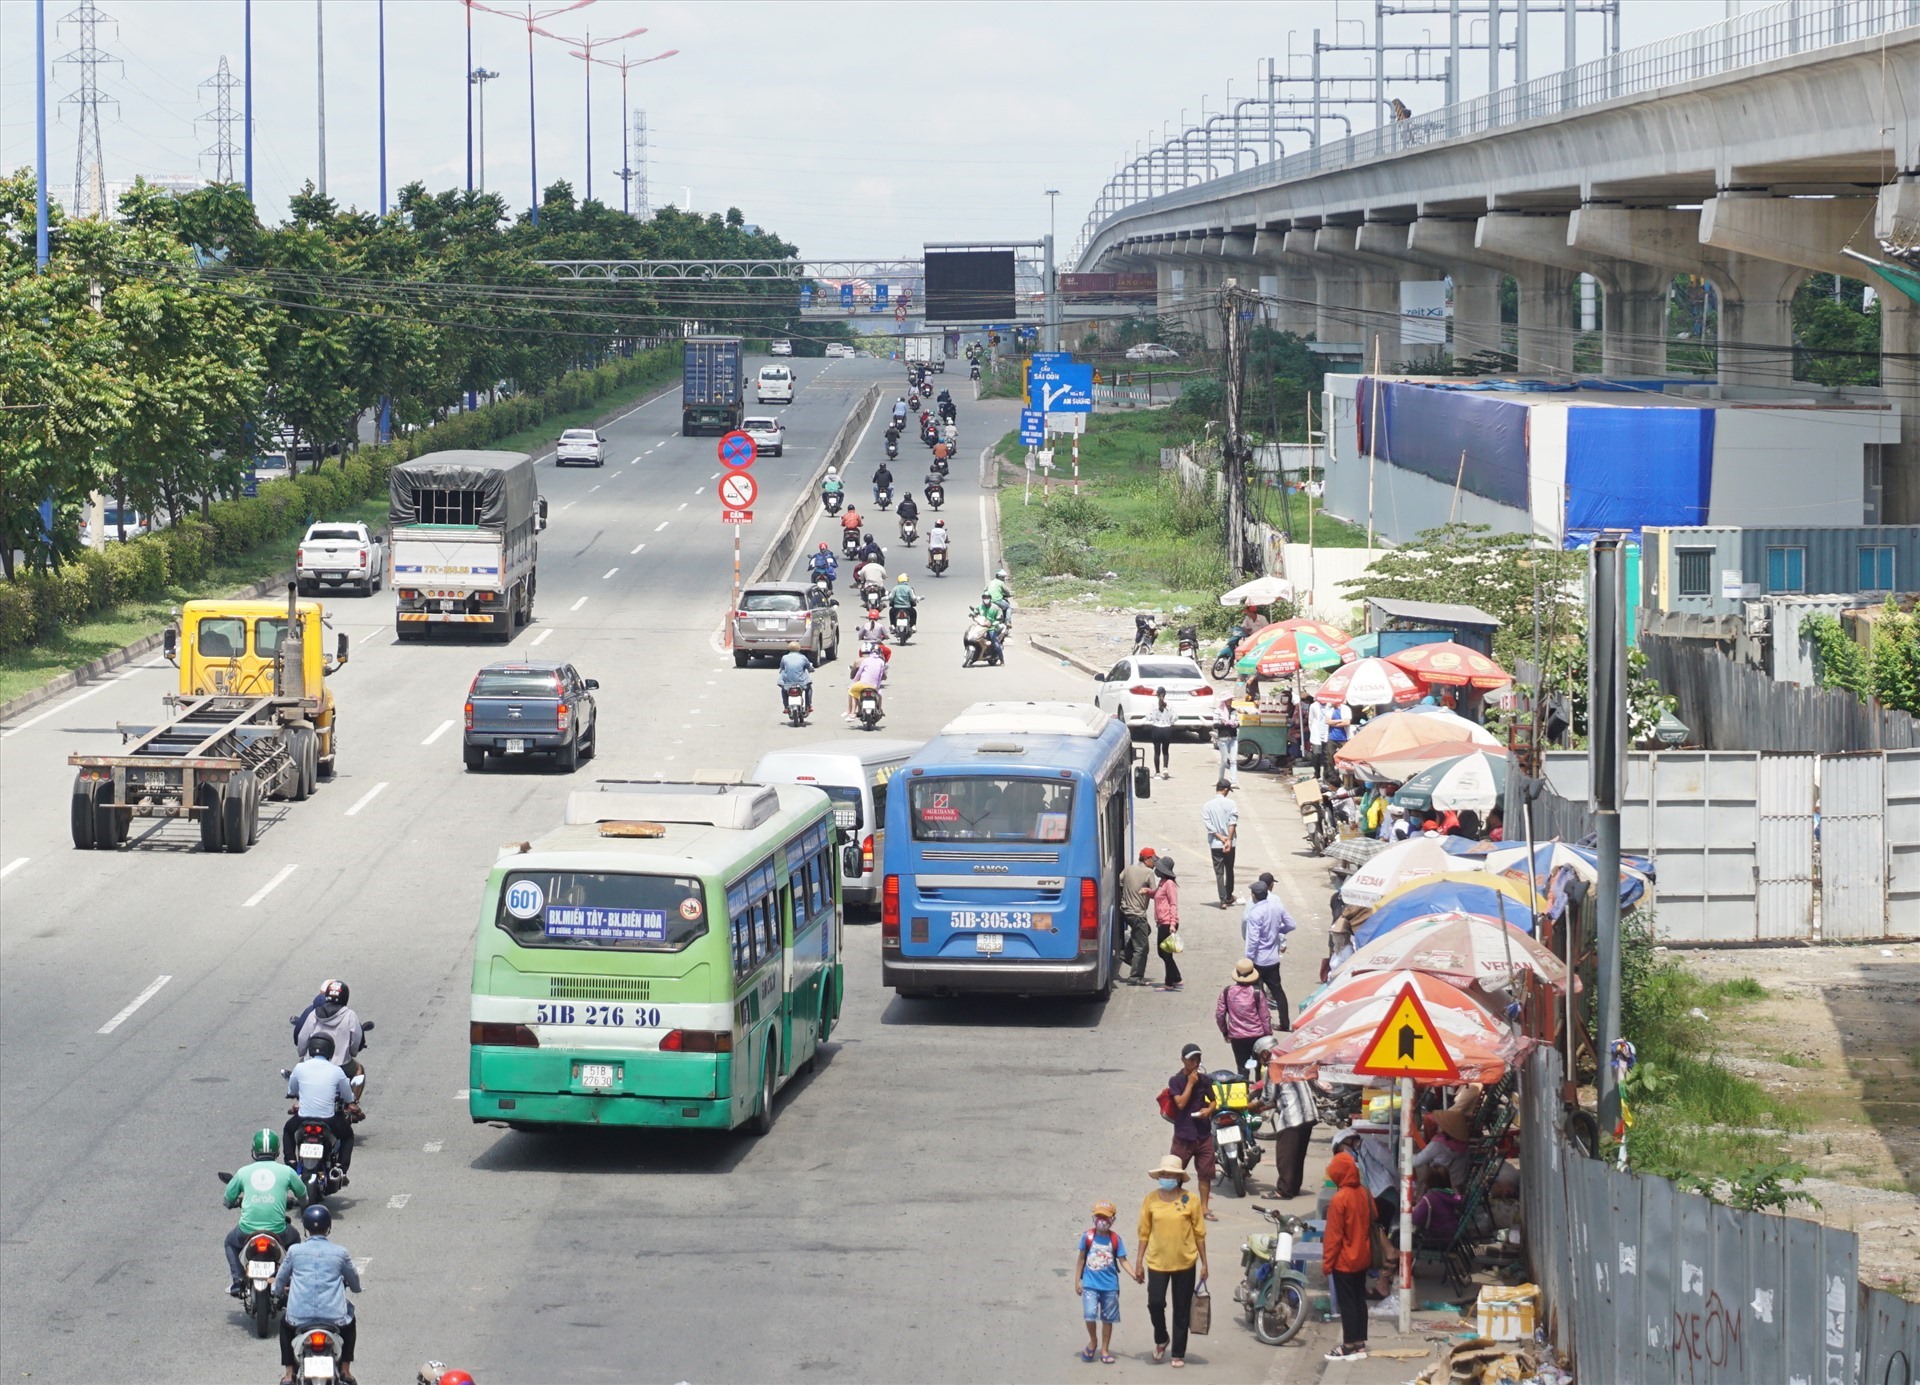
x=263 y=1245
x=890 y=912
x=866 y=854
x=1089 y=908
x=697 y=1041
x=1141 y=690
x=317 y=1341
x=493 y=1034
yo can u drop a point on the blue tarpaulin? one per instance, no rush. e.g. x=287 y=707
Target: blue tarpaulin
x=1427 y=430
x=1631 y=467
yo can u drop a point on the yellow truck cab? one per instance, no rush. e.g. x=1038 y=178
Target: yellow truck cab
x=232 y=648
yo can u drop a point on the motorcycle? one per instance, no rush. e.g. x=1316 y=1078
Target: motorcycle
x=977 y=644
x=893 y=429
x=900 y=619
x=913 y=401
x=1271 y=1291
x=884 y=497
x=871 y=595
x=941 y=466
x=909 y=532
x=850 y=543
x=868 y=709
x=929 y=435
x=820 y=588
x=937 y=561
x=1189 y=641
x=260 y=1261
x=795 y=700
x=314 y=1155
x=317 y=1349
x=893 y=450
x=1223 y=661
x=936 y=494
x=1144 y=632
x=1237 y=1150
x=832 y=501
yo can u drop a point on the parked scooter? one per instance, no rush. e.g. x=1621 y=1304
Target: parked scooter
x=1316 y=812
x=1271 y=1291
x=260 y=1261
x=1223 y=661
x=1189 y=641
x=1237 y=1151
x=1145 y=629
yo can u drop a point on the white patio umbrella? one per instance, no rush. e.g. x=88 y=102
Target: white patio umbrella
x=1399 y=863
x=1261 y=591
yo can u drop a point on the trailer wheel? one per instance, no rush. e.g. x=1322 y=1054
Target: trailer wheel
x=85 y=815
x=239 y=811
x=109 y=824
x=207 y=798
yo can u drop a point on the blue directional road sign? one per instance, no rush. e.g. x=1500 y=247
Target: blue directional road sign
x=880 y=294
x=1033 y=428
x=806 y=295
x=846 y=295
x=1047 y=360
x=1061 y=389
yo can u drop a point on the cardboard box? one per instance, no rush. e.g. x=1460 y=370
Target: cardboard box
x=1505 y=1314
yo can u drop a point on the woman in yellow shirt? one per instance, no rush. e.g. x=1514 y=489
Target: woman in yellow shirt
x=1173 y=1254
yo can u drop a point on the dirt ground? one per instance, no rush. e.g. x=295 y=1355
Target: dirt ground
x=1839 y=1034
x=1089 y=627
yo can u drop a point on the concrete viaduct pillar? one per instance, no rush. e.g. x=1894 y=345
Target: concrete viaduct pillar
x=1476 y=288
x=1379 y=284
x=1633 y=333
x=1756 y=295
x=1810 y=232
x=1336 y=285
x=1298 y=291
x=1543 y=343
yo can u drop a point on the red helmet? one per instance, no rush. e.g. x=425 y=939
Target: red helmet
x=873 y=615
x=823 y=548
x=455 y=1376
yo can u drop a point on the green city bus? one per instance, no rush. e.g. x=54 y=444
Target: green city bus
x=604 y=993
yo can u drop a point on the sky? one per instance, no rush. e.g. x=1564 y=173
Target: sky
x=851 y=130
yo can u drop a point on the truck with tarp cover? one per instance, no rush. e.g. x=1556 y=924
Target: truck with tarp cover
x=464 y=542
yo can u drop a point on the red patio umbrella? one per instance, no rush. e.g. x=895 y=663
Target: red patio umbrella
x=1451 y=665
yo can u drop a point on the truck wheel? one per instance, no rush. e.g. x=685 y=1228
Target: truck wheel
x=568 y=755
x=301 y=750
x=85 y=815
x=239 y=811
x=474 y=757
x=107 y=830
x=207 y=799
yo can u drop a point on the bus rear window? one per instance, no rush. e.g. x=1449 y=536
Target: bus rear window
x=990 y=809
x=622 y=913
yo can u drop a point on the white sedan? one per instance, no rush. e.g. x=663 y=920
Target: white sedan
x=1128 y=689
x=839 y=351
x=1152 y=351
x=769 y=437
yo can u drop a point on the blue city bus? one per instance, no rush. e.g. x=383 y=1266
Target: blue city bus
x=1004 y=854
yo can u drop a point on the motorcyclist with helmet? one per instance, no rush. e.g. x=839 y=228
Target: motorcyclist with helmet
x=332 y=1015
x=831 y=484
x=851 y=520
x=322 y=1093
x=315 y=1278
x=871 y=552
x=908 y=508
x=824 y=561
x=796 y=671
x=900 y=409
x=1001 y=592
x=905 y=599
x=938 y=540
x=260 y=1190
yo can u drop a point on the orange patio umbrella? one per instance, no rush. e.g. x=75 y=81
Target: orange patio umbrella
x=1403 y=730
x=1451 y=665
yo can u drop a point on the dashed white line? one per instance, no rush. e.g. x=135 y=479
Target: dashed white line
x=372 y=634
x=439 y=731
x=542 y=637
x=632 y=460
x=138 y=1001
x=569 y=505
x=578 y=604
x=664 y=523
x=399 y=1200
x=636 y=548
x=432 y=1146
x=273 y=884
x=55 y=711
x=714 y=477
x=367 y=798
x=608 y=573
x=10 y=867
x=697 y=490
x=616 y=475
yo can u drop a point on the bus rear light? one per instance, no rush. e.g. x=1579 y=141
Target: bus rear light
x=866 y=855
x=890 y=912
x=1089 y=909
x=697 y=1041
x=490 y=1034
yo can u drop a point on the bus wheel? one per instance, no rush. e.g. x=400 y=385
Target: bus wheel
x=1105 y=993
x=762 y=1121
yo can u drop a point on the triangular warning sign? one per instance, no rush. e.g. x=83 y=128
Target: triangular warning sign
x=1408 y=1044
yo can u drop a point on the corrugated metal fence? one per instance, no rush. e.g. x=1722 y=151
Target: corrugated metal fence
x=1642 y=1282
x=1731 y=706
x=1762 y=848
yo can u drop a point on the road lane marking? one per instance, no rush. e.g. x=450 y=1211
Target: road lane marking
x=55 y=711
x=432 y=1146
x=569 y=505
x=714 y=477
x=372 y=634
x=439 y=731
x=274 y=883
x=138 y=1001
x=699 y=490
x=684 y=504
x=663 y=524
x=632 y=460
x=541 y=638
x=578 y=604
x=10 y=867
x=590 y=491
x=616 y=475
x=636 y=548
x=399 y=1200
x=367 y=798
x=608 y=573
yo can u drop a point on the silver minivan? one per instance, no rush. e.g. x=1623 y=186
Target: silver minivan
x=854 y=773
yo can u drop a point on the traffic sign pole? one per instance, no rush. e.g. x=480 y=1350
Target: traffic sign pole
x=736 y=568
x=1406 y=1204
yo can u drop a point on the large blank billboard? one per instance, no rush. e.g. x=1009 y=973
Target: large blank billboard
x=969 y=286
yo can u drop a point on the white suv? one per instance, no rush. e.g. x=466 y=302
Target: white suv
x=580 y=445
x=780 y=348
x=769 y=438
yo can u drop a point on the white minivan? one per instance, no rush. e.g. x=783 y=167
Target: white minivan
x=854 y=774
x=776 y=384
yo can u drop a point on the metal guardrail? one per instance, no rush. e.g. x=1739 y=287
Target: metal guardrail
x=1779 y=31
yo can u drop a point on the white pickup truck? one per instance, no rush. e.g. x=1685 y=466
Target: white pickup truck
x=348 y=555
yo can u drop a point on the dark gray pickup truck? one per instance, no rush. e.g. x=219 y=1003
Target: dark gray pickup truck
x=531 y=708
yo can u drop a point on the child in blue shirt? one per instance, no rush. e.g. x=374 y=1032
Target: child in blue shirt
x=1096 y=1278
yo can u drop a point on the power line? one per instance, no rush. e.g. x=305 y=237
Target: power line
x=224 y=149
x=89 y=164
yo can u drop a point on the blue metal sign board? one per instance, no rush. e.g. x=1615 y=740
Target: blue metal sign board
x=737 y=450
x=880 y=294
x=1065 y=389
x=846 y=295
x=806 y=295
x=1049 y=359
x=1033 y=428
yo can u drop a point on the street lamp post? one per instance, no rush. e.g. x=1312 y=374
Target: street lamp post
x=531 y=18
x=626 y=65
x=478 y=79
x=582 y=48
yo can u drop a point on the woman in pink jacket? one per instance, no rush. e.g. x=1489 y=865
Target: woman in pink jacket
x=1241 y=1012
x=1166 y=916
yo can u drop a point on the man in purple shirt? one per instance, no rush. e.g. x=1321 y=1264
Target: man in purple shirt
x=870 y=672
x=1265 y=924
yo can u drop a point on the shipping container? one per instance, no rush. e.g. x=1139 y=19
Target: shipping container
x=713 y=386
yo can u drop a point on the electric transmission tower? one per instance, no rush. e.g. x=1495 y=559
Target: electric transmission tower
x=638 y=166
x=223 y=150
x=89 y=166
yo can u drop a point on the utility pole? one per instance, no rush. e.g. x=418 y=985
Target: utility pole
x=41 y=250
x=638 y=173
x=1052 y=304
x=223 y=149
x=1607 y=773
x=381 y=11
x=477 y=80
x=1233 y=443
x=247 y=66
x=89 y=165
x=320 y=82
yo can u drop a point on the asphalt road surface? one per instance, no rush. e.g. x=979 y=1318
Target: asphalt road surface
x=913 y=1214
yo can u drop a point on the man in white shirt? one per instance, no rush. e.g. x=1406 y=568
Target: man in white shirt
x=1221 y=816
x=1318 y=718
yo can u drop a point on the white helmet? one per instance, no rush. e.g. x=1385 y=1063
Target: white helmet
x=833 y=471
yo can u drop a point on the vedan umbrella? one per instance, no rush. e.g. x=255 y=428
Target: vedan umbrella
x=1550 y=858
x=1401 y=765
x=1451 y=665
x=1413 y=859
x=1436 y=993
x=1461 y=947
x=1461 y=890
x=1407 y=728
x=1473 y=781
x=1368 y=683
x=1261 y=591
x=1287 y=651
x=1481 y=1054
